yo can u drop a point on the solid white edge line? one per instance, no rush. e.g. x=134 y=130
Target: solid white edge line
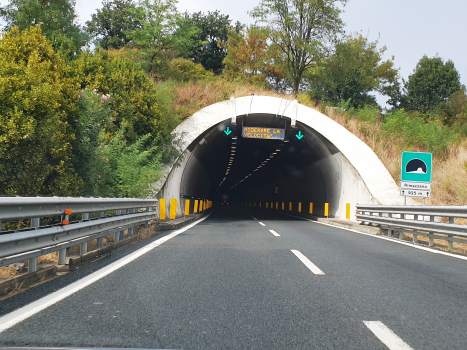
x=312 y=267
x=386 y=336
x=11 y=319
x=274 y=233
x=434 y=251
x=261 y=223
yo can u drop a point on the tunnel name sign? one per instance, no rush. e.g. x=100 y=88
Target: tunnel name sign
x=416 y=174
x=263 y=133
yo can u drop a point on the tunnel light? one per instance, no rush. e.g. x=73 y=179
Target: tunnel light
x=268 y=159
x=234 y=137
x=278 y=150
x=233 y=147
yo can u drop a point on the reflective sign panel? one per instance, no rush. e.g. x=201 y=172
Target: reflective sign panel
x=254 y=132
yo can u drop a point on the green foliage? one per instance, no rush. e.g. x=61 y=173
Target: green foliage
x=303 y=32
x=353 y=72
x=453 y=111
x=414 y=131
x=37 y=101
x=367 y=113
x=110 y=25
x=180 y=69
x=152 y=38
x=126 y=170
x=213 y=28
x=432 y=83
x=249 y=56
x=89 y=129
x=56 y=17
x=135 y=101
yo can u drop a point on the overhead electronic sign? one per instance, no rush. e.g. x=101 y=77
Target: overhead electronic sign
x=254 y=132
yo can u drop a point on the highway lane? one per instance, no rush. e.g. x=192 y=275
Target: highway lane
x=230 y=283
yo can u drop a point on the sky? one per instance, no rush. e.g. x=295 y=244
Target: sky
x=408 y=28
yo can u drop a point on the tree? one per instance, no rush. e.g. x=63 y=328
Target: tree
x=248 y=55
x=212 y=28
x=153 y=38
x=303 y=31
x=352 y=72
x=110 y=25
x=432 y=82
x=37 y=105
x=135 y=99
x=56 y=17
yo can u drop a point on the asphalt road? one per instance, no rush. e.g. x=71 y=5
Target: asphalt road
x=229 y=283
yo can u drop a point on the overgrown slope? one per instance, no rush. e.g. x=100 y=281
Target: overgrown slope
x=450 y=150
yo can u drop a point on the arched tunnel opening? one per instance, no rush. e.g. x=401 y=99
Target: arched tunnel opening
x=314 y=160
x=236 y=170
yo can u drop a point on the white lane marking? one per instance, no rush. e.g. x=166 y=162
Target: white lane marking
x=11 y=319
x=434 y=251
x=274 y=233
x=387 y=337
x=313 y=268
x=261 y=223
x=253 y=217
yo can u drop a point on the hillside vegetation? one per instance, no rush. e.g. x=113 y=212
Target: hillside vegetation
x=89 y=110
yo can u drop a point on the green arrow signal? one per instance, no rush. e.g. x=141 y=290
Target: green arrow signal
x=299 y=135
x=228 y=131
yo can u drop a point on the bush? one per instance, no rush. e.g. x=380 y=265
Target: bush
x=414 y=131
x=124 y=170
x=37 y=103
x=180 y=69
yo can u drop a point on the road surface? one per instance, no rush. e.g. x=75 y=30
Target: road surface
x=257 y=280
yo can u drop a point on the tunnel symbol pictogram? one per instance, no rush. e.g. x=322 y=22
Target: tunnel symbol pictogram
x=416 y=166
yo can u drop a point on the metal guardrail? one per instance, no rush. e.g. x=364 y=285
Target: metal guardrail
x=30 y=243
x=417 y=220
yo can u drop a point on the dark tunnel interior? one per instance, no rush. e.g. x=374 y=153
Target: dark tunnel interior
x=300 y=168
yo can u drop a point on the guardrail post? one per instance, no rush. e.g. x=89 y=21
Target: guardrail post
x=62 y=256
x=415 y=238
x=389 y=233
x=450 y=245
x=431 y=240
x=32 y=266
x=85 y=217
x=122 y=235
x=35 y=222
x=100 y=242
x=102 y=214
x=84 y=248
x=401 y=234
x=119 y=212
x=117 y=236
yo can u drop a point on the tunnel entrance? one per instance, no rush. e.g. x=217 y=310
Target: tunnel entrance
x=317 y=160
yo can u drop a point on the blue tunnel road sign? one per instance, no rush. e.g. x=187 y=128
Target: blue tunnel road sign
x=416 y=167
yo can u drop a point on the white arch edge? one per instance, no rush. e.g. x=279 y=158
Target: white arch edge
x=376 y=177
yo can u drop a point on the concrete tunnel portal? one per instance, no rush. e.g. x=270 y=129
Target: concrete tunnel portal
x=324 y=164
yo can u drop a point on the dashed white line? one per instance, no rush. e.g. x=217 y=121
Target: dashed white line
x=312 y=267
x=261 y=223
x=385 y=238
x=274 y=233
x=253 y=217
x=11 y=319
x=386 y=336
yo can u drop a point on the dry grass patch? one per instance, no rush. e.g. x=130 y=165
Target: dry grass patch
x=7 y=272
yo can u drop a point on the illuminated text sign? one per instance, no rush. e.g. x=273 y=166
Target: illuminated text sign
x=263 y=133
